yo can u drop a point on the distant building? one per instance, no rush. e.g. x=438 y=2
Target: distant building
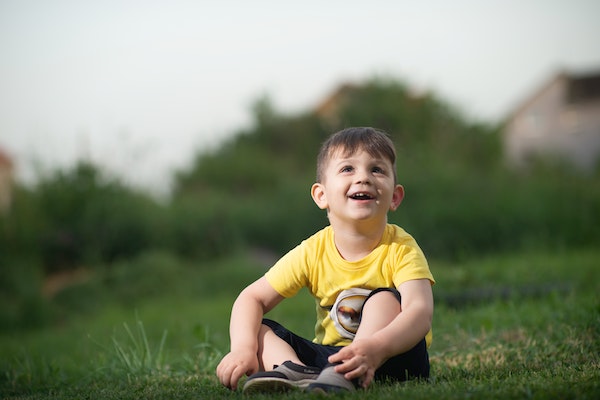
x=6 y=182
x=561 y=120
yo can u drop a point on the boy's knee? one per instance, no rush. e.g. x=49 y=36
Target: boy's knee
x=379 y=309
x=383 y=299
x=390 y=295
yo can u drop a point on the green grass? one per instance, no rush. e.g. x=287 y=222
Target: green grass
x=539 y=340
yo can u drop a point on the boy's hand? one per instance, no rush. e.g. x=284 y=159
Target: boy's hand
x=359 y=360
x=235 y=365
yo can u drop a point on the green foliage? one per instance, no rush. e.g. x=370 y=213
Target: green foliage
x=477 y=212
x=266 y=223
x=78 y=217
x=202 y=227
x=126 y=282
x=90 y=219
x=461 y=198
x=21 y=302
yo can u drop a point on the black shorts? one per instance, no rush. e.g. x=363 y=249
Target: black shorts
x=412 y=364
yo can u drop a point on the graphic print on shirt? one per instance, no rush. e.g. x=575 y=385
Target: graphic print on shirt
x=346 y=311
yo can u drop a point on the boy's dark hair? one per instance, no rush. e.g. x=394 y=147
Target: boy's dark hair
x=375 y=142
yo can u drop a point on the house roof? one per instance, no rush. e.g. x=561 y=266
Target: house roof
x=581 y=88
x=331 y=103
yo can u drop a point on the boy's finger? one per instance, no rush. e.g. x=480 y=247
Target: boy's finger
x=340 y=356
x=235 y=378
x=366 y=380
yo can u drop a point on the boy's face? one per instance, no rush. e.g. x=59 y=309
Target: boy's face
x=357 y=187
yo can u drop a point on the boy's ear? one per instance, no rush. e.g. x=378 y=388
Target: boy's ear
x=397 y=197
x=317 y=191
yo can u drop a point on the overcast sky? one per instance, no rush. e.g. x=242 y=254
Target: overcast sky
x=141 y=86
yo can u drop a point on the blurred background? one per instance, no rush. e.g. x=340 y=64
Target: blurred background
x=135 y=136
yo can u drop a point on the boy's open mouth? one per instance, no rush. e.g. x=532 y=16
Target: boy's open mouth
x=361 y=196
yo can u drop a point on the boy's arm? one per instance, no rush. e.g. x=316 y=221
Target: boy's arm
x=413 y=323
x=362 y=357
x=246 y=315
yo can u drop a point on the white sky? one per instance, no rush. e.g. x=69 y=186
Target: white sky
x=141 y=86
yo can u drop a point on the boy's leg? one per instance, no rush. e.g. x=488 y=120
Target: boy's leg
x=308 y=352
x=382 y=306
x=272 y=350
x=412 y=364
x=379 y=310
x=279 y=353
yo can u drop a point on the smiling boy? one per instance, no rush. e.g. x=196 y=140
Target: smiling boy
x=370 y=279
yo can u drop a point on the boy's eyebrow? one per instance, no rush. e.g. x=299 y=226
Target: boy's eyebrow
x=341 y=160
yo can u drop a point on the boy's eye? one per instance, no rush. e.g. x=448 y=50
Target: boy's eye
x=378 y=170
x=347 y=168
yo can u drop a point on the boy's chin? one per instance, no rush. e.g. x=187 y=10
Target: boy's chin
x=365 y=217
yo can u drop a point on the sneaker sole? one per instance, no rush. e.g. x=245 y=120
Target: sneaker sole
x=323 y=388
x=274 y=385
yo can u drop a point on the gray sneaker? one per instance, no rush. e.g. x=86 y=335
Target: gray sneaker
x=331 y=381
x=282 y=378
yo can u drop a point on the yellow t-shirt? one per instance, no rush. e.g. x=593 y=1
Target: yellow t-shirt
x=317 y=265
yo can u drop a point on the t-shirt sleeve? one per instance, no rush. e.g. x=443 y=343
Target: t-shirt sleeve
x=288 y=275
x=409 y=263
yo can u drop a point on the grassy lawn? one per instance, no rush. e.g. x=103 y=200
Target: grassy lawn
x=520 y=326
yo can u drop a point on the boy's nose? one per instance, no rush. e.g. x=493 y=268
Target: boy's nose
x=363 y=178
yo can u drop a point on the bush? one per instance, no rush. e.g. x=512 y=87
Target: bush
x=202 y=227
x=127 y=282
x=21 y=302
x=83 y=218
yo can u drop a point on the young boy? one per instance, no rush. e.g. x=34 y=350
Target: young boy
x=370 y=279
